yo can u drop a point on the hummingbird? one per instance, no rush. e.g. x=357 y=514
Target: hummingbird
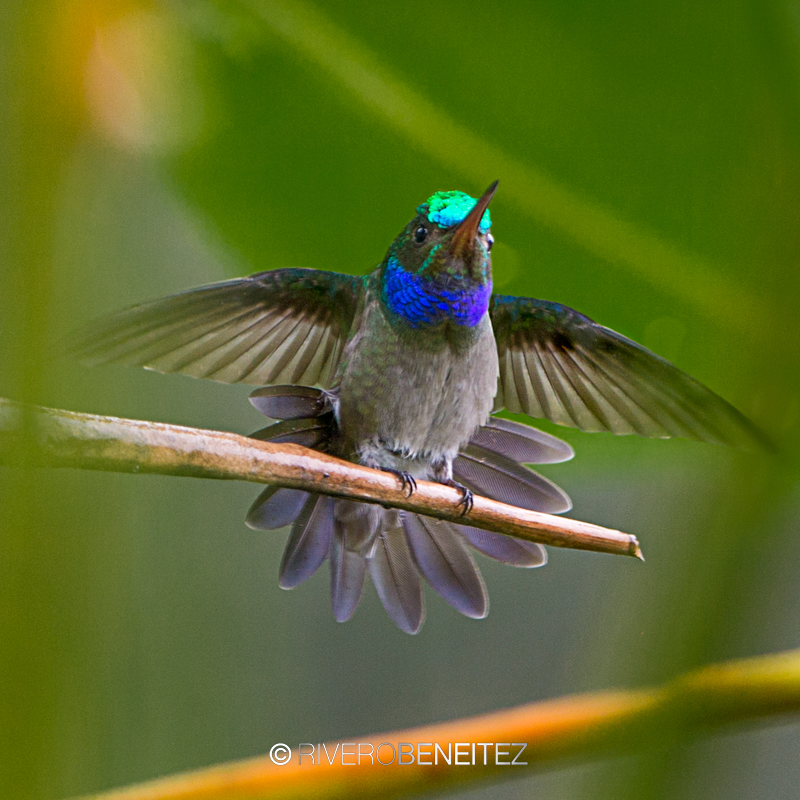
x=404 y=369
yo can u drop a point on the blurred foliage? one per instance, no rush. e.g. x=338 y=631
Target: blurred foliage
x=150 y=146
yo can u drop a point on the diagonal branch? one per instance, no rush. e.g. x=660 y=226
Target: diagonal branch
x=46 y=437
x=578 y=727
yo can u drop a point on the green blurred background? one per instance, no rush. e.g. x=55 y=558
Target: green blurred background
x=649 y=166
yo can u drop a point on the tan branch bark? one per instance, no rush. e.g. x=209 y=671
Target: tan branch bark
x=36 y=436
x=579 y=727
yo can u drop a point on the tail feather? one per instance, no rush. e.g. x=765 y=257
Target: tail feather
x=446 y=564
x=275 y=507
x=309 y=542
x=500 y=478
x=521 y=443
x=515 y=552
x=347 y=577
x=354 y=531
x=289 y=402
x=395 y=576
x=314 y=432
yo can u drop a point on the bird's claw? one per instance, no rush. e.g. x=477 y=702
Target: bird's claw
x=467 y=498
x=408 y=483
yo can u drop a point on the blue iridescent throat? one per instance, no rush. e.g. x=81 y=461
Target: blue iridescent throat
x=424 y=301
x=451 y=208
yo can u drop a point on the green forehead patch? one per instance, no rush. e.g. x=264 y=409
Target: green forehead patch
x=450 y=208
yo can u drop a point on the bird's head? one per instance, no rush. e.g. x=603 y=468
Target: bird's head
x=439 y=267
x=449 y=234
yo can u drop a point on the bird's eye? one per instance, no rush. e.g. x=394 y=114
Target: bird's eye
x=420 y=234
x=489 y=242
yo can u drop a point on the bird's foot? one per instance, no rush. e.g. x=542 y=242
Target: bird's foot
x=408 y=483
x=467 y=498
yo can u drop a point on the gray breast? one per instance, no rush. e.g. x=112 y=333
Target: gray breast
x=415 y=394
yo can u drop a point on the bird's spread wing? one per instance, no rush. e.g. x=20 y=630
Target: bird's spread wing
x=558 y=364
x=283 y=326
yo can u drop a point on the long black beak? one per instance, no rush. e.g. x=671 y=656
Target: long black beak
x=464 y=238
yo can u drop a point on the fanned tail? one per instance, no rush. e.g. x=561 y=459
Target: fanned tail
x=396 y=547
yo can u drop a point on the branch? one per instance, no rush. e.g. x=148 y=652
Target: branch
x=581 y=726
x=36 y=436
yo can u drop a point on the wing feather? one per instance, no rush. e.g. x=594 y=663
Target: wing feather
x=559 y=364
x=285 y=325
